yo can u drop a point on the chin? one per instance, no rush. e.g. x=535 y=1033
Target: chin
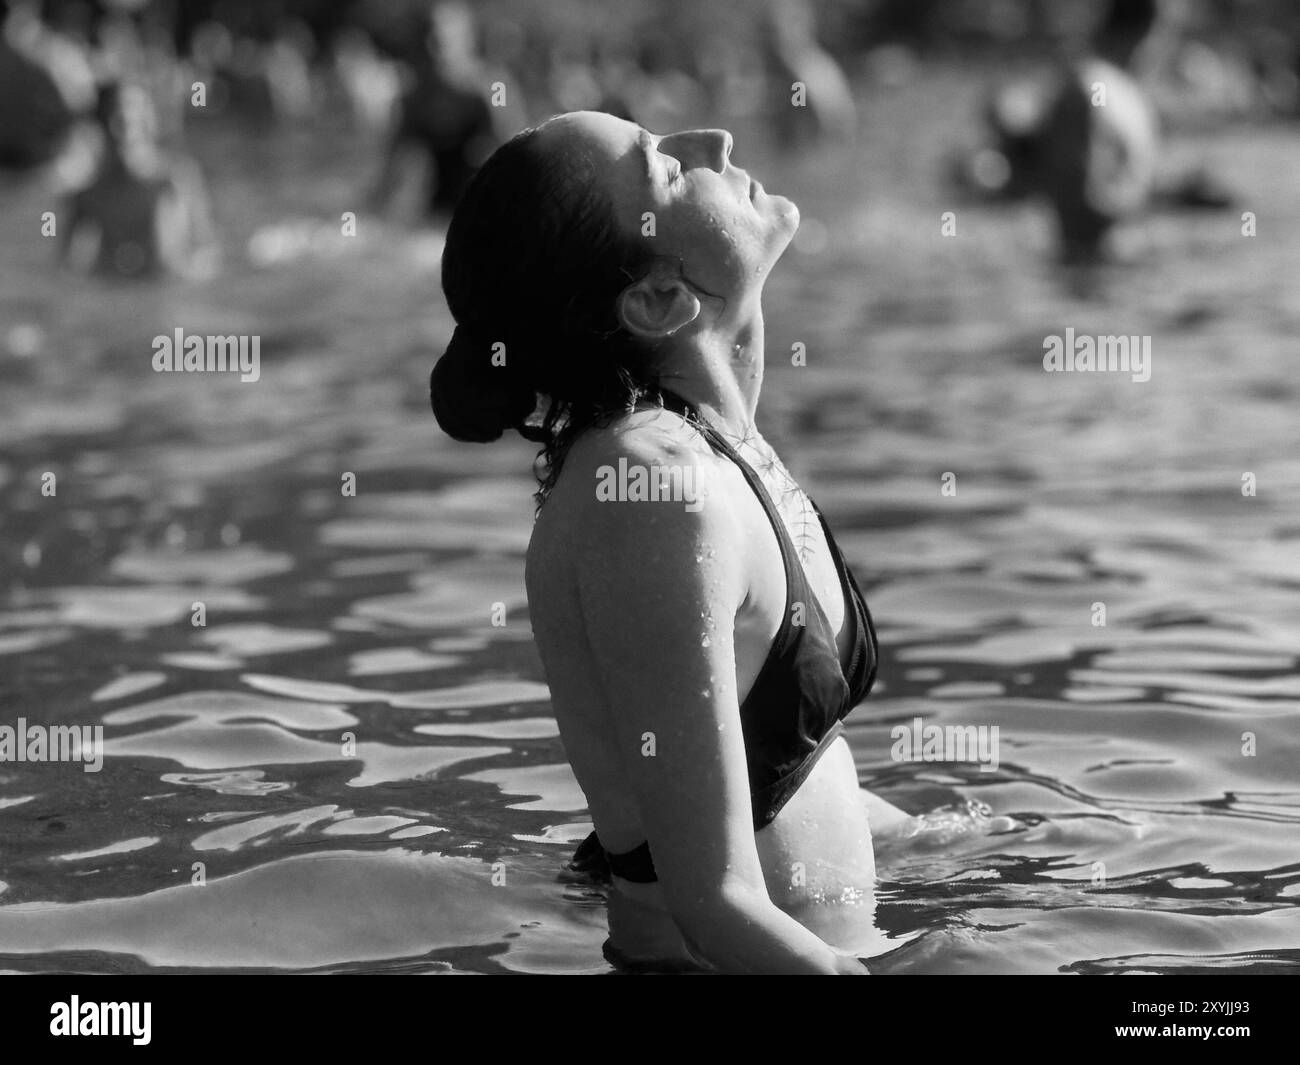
x=784 y=222
x=785 y=208
x=787 y=216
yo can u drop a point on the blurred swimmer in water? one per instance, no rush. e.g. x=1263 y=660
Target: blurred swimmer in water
x=1085 y=137
x=146 y=211
x=445 y=121
x=797 y=63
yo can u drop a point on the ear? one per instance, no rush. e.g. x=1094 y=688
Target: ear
x=657 y=306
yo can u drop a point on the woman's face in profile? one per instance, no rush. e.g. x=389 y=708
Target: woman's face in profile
x=727 y=230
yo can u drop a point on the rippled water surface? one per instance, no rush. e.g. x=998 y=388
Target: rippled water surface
x=350 y=745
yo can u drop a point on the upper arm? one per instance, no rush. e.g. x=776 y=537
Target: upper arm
x=659 y=586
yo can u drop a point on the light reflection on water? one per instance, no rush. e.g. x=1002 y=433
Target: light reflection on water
x=349 y=744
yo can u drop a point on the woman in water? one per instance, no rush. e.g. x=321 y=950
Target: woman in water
x=701 y=649
x=146 y=212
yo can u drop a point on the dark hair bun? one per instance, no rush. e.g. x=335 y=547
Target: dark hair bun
x=473 y=399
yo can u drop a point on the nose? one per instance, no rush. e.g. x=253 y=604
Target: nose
x=699 y=147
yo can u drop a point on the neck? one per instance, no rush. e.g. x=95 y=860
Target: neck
x=720 y=372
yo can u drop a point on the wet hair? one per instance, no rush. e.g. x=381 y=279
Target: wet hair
x=531 y=270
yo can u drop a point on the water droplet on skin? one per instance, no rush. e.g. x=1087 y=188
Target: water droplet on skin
x=850 y=896
x=706 y=642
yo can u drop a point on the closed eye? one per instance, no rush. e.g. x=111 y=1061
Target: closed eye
x=647 y=144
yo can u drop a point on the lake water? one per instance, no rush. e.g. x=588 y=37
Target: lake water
x=349 y=753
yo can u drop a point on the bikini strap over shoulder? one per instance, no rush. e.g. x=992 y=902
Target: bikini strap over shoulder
x=795 y=579
x=681 y=405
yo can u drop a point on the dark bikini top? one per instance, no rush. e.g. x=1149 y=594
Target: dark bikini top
x=802 y=693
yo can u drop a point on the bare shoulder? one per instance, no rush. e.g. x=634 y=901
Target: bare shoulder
x=645 y=483
x=643 y=456
x=648 y=436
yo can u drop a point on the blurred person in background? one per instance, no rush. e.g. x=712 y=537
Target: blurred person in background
x=146 y=211
x=792 y=54
x=445 y=122
x=255 y=63
x=1100 y=135
x=1084 y=137
x=1091 y=142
